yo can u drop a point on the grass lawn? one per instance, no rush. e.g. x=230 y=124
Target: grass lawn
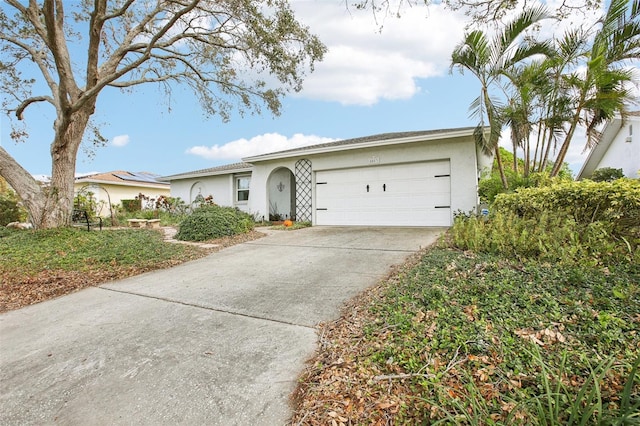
x=464 y=338
x=38 y=265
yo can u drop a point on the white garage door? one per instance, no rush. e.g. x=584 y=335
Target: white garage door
x=414 y=194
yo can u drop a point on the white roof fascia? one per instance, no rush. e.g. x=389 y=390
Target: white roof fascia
x=368 y=144
x=596 y=153
x=180 y=176
x=158 y=185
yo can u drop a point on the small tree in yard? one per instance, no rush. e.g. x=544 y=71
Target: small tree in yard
x=607 y=174
x=218 y=48
x=10 y=209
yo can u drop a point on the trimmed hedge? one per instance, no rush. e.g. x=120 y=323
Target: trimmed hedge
x=616 y=204
x=210 y=222
x=585 y=222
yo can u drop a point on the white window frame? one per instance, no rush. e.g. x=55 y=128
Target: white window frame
x=237 y=189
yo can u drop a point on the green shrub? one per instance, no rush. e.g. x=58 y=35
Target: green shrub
x=616 y=204
x=10 y=210
x=132 y=205
x=209 y=222
x=572 y=222
x=491 y=184
x=607 y=174
x=86 y=201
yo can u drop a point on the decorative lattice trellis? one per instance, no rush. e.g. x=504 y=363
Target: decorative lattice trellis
x=303 y=190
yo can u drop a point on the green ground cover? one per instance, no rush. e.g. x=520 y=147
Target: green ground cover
x=29 y=252
x=465 y=338
x=38 y=265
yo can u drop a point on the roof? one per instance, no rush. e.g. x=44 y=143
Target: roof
x=367 y=141
x=121 y=177
x=341 y=145
x=219 y=170
x=596 y=154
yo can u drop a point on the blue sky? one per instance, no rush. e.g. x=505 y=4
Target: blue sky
x=370 y=82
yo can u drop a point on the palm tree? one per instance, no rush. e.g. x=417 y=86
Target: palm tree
x=555 y=93
x=520 y=114
x=488 y=60
x=602 y=90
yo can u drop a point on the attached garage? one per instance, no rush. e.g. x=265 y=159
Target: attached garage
x=408 y=194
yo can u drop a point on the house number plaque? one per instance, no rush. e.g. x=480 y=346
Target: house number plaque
x=374 y=159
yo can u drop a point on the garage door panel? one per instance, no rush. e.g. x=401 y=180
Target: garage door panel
x=414 y=194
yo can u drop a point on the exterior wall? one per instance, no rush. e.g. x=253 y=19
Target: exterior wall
x=111 y=194
x=220 y=187
x=461 y=152
x=624 y=151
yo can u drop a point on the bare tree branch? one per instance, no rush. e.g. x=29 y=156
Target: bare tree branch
x=128 y=43
x=119 y=12
x=26 y=103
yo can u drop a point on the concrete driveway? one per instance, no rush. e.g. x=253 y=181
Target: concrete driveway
x=217 y=341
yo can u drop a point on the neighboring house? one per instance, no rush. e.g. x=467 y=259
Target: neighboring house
x=112 y=187
x=396 y=179
x=618 y=148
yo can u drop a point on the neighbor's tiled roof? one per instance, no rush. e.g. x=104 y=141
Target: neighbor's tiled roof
x=210 y=171
x=123 y=177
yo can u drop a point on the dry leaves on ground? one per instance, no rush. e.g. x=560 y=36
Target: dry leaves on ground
x=337 y=389
x=17 y=291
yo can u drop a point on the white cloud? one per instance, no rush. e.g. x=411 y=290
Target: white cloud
x=261 y=144
x=364 y=65
x=120 y=140
x=369 y=61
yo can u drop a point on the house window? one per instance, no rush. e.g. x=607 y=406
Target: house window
x=242 y=188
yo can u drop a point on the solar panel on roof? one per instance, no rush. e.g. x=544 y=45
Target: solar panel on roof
x=136 y=177
x=147 y=177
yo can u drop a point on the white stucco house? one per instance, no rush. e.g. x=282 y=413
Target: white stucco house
x=618 y=148
x=416 y=178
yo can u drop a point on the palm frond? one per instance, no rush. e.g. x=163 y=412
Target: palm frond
x=472 y=53
x=625 y=43
x=619 y=37
x=482 y=141
x=512 y=31
x=476 y=109
x=526 y=51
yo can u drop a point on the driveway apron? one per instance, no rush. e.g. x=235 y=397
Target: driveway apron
x=217 y=341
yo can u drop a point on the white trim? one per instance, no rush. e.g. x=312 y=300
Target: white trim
x=236 y=189
x=131 y=183
x=596 y=153
x=204 y=173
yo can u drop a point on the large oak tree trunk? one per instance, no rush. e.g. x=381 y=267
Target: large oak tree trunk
x=64 y=150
